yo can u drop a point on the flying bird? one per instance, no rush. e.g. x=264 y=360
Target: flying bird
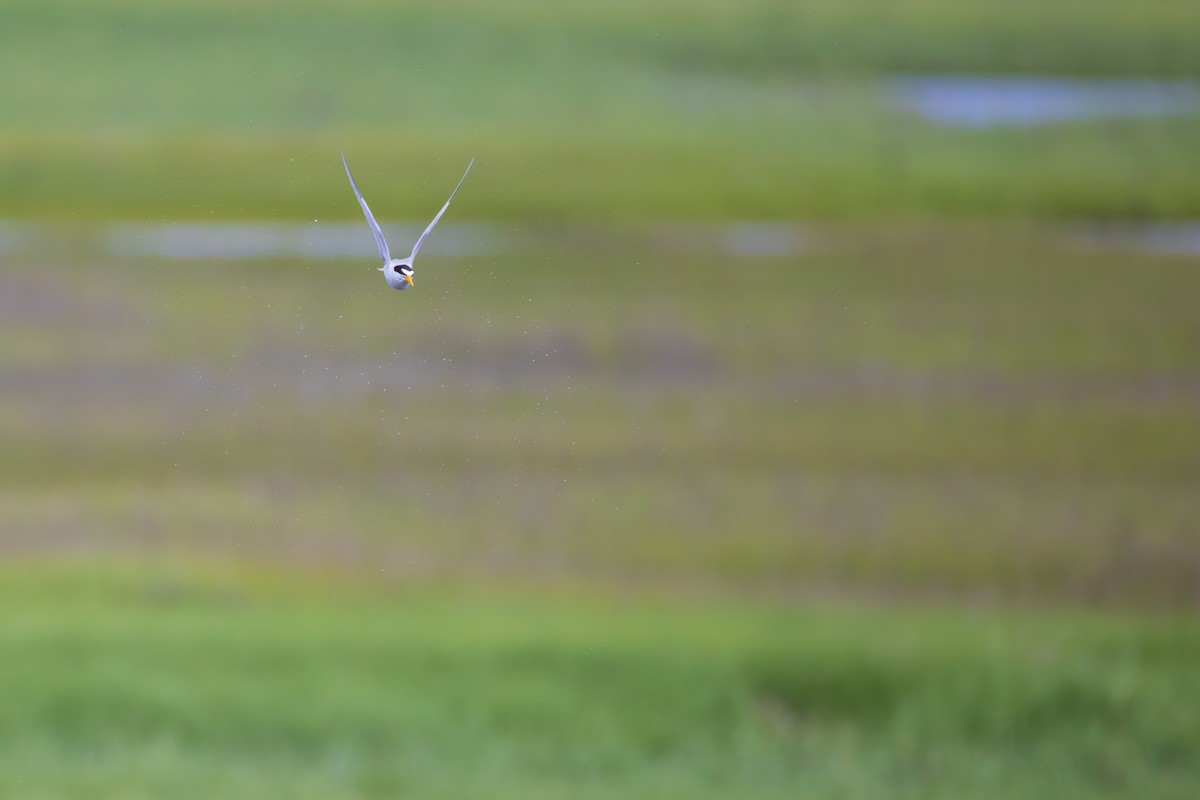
x=398 y=272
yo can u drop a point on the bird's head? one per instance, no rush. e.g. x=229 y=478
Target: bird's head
x=399 y=273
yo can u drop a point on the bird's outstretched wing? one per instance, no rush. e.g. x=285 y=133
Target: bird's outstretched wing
x=421 y=241
x=380 y=242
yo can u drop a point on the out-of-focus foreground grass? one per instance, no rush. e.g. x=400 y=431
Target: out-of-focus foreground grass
x=160 y=682
x=615 y=110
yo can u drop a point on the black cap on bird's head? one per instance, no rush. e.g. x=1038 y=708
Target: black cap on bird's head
x=398 y=274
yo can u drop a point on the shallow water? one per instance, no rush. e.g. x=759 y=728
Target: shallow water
x=186 y=241
x=276 y=239
x=976 y=102
x=1164 y=238
x=349 y=240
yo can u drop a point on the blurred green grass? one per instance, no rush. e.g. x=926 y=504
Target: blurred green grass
x=601 y=517
x=152 y=679
x=925 y=411
x=710 y=110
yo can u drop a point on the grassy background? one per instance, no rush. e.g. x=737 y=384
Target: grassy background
x=537 y=529
x=961 y=417
x=704 y=110
x=618 y=511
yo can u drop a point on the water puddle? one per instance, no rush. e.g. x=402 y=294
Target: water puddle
x=750 y=239
x=352 y=240
x=281 y=239
x=979 y=102
x=14 y=237
x=1162 y=238
x=743 y=240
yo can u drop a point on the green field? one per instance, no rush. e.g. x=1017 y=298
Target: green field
x=557 y=525
x=983 y=410
x=613 y=110
x=159 y=682
x=611 y=507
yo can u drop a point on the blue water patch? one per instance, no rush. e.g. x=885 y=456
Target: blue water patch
x=978 y=102
x=212 y=240
x=762 y=239
x=232 y=240
x=209 y=241
x=1162 y=238
x=14 y=238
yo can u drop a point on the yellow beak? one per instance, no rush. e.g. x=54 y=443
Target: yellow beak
x=409 y=279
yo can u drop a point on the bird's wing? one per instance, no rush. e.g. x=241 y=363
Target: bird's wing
x=380 y=242
x=421 y=241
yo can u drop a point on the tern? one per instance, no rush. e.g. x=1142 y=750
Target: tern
x=398 y=272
